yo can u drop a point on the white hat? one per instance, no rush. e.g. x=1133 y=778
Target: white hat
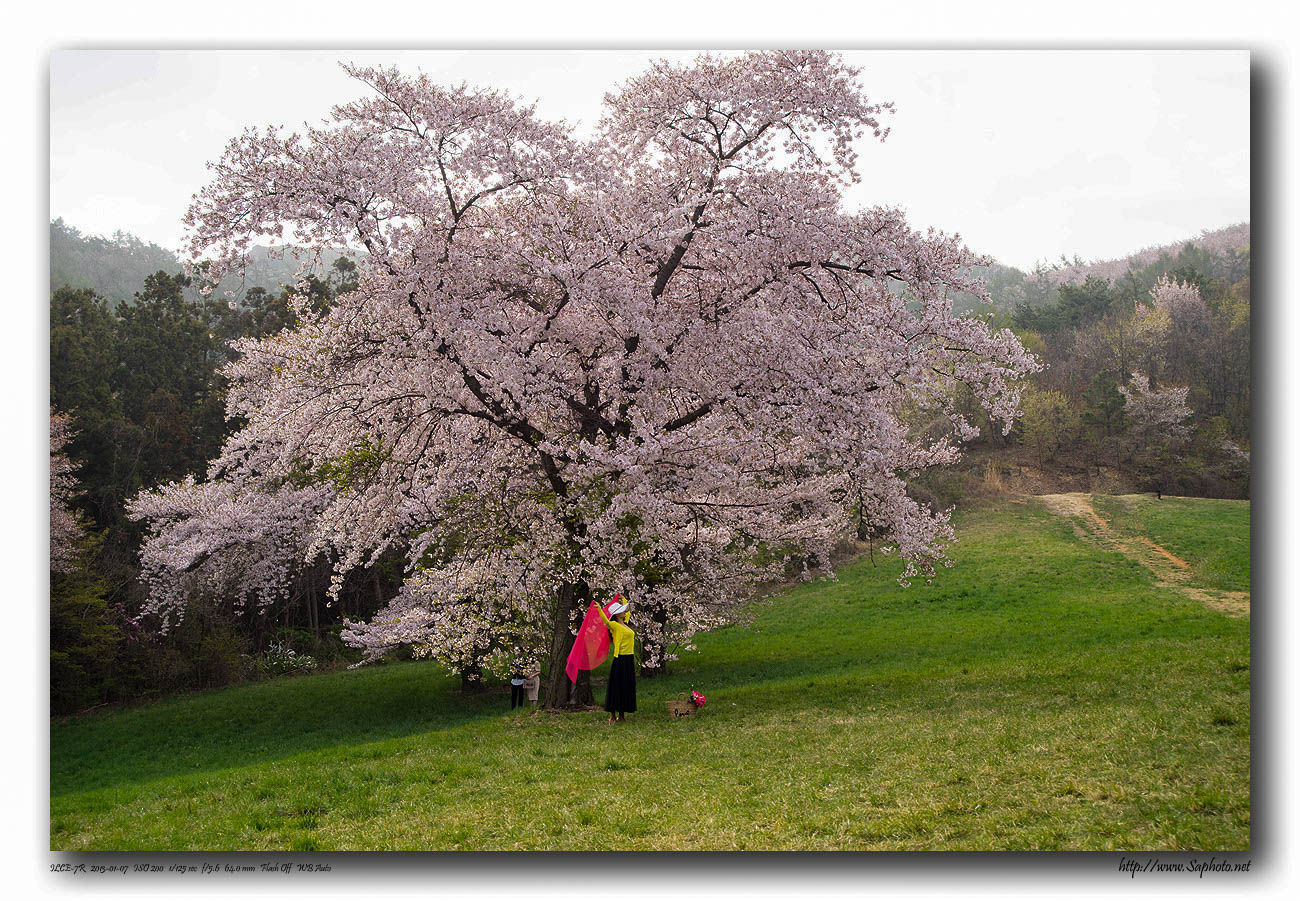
x=618 y=608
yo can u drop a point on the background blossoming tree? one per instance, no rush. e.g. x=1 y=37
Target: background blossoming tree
x=664 y=360
x=66 y=528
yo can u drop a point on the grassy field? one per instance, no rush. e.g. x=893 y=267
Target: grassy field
x=1042 y=694
x=1211 y=535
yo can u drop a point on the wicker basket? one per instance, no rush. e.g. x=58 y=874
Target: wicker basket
x=681 y=705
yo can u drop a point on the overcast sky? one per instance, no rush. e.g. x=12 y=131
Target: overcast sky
x=1028 y=154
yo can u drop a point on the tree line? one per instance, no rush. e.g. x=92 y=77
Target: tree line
x=1147 y=383
x=137 y=399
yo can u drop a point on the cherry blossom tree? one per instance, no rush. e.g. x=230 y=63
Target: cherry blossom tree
x=1156 y=417
x=1158 y=428
x=66 y=527
x=1189 y=332
x=1180 y=301
x=664 y=361
x=1169 y=332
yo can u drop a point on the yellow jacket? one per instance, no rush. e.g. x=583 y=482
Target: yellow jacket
x=623 y=639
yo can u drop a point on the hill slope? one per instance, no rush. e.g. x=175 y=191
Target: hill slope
x=1046 y=692
x=1219 y=242
x=115 y=267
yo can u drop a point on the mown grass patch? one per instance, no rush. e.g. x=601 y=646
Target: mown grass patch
x=1040 y=694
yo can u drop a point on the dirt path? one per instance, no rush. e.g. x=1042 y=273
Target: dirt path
x=1170 y=570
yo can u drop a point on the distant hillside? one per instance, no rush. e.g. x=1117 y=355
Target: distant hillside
x=1223 y=242
x=1219 y=254
x=115 y=267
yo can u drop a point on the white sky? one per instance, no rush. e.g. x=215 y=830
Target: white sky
x=1027 y=154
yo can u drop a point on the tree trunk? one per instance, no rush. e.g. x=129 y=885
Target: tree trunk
x=471 y=674
x=580 y=693
x=471 y=679
x=312 y=618
x=559 y=691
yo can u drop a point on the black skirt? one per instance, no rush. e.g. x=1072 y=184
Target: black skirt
x=620 y=697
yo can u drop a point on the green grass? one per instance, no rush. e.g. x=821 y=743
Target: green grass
x=1211 y=535
x=1041 y=694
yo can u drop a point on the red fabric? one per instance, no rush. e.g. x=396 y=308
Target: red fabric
x=591 y=647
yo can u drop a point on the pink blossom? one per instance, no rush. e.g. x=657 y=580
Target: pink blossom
x=66 y=527
x=1155 y=417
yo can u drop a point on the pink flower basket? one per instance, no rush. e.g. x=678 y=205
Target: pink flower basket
x=681 y=705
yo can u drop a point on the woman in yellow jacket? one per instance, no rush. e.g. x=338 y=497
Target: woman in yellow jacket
x=620 y=697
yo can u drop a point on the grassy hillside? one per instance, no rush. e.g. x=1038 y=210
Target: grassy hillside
x=115 y=267
x=1043 y=693
x=1213 y=536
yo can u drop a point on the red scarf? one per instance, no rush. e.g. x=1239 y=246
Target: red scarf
x=591 y=647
